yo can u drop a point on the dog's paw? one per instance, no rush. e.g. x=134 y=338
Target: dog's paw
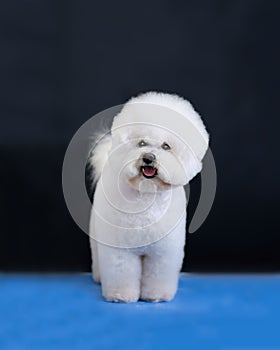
x=122 y=295
x=156 y=296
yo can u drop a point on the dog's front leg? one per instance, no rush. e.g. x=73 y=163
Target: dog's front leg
x=160 y=276
x=120 y=272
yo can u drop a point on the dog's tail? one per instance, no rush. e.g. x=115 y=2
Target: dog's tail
x=99 y=155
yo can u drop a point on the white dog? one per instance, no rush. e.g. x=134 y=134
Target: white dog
x=137 y=227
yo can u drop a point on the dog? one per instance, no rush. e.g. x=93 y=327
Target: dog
x=137 y=226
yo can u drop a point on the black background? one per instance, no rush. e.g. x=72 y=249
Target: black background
x=64 y=61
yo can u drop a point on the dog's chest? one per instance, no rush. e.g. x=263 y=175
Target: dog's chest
x=147 y=216
x=136 y=224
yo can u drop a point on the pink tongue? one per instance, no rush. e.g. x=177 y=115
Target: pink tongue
x=149 y=171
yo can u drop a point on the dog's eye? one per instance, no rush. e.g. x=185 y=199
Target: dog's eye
x=142 y=143
x=165 y=146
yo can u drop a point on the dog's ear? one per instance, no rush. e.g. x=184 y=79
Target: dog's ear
x=192 y=165
x=193 y=154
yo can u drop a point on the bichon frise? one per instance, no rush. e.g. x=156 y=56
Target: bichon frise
x=137 y=226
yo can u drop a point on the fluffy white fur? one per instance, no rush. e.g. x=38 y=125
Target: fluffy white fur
x=137 y=226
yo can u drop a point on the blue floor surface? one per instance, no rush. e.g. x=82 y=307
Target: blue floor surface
x=209 y=312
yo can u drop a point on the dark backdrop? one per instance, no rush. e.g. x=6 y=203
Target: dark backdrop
x=63 y=61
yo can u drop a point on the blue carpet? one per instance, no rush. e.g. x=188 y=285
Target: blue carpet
x=209 y=312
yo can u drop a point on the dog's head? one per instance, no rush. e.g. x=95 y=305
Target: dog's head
x=158 y=140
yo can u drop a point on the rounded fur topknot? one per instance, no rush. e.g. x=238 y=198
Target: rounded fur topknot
x=175 y=103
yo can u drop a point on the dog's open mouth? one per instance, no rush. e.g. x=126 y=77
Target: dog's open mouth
x=148 y=171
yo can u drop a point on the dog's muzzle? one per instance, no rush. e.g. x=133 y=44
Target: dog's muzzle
x=148 y=169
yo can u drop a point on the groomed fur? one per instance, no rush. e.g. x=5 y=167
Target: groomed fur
x=137 y=225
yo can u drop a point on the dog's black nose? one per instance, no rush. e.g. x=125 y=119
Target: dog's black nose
x=148 y=158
